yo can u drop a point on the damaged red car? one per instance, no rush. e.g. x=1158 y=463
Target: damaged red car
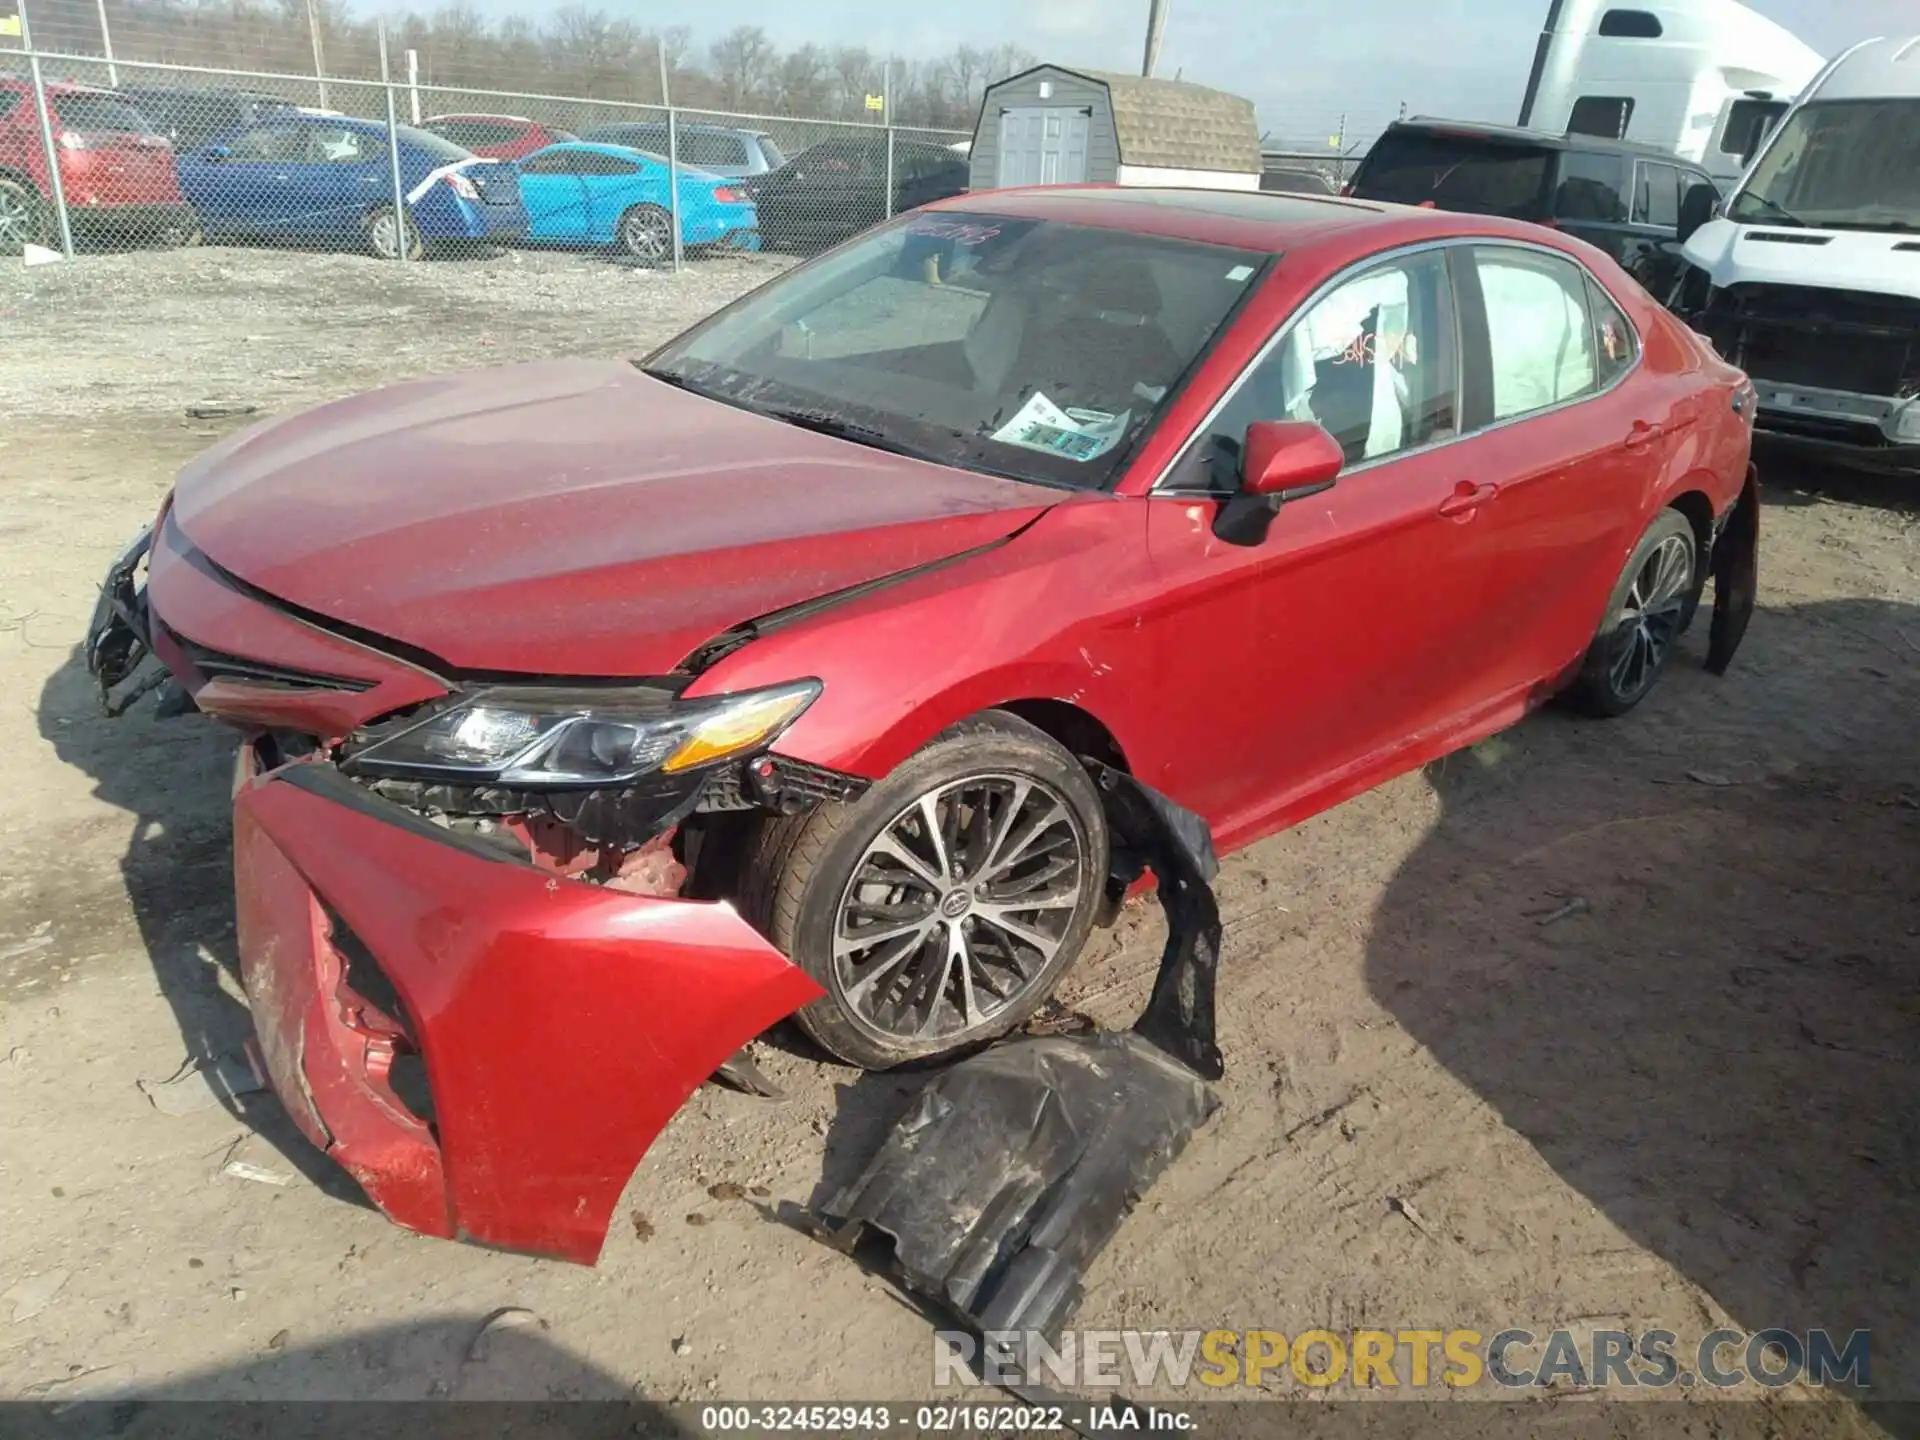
x=596 y=716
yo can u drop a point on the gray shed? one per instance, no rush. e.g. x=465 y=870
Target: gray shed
x=1055 y=126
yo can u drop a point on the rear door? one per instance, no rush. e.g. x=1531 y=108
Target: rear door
x=1552 y=363
x=1590 y=199
x=613 y=185
x=1653 y=252
x=555 y=194
x=343 y=175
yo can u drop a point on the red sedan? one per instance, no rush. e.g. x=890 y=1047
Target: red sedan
x=496 y=137
x=599 y=715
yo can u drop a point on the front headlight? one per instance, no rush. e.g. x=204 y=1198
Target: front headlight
x=552 y=739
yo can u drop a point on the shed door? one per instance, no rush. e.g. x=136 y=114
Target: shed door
x=1044 y=145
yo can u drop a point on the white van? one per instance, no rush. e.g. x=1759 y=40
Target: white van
x=1809 y=276
x=1705 y=79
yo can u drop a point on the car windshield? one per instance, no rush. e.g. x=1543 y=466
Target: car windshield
x=1841 y=165
x=1032 y=349
x=1457 y=172
x=437 y=147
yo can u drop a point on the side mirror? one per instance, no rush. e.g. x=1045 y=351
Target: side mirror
x=1288 y=460
x=1696 y=209
x=1279 y=461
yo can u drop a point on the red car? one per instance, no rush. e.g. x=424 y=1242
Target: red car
x=598 y=715
x=115 y=170
x=496 y=137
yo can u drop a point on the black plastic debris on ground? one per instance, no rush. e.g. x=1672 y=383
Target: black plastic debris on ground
x=1013 y=1169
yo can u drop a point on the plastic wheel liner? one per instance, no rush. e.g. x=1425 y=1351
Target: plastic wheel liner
x=1013 y=1169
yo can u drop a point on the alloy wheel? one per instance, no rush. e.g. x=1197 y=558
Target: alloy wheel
x=647 y=234
x=1649 y=620
x=958 y=907
x=19 y=222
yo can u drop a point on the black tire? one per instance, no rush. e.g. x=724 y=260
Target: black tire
x=185 y=231
x=23 y=217
x=1636 y=640
x=380 y=235
x=646 y=233
x=800 y=873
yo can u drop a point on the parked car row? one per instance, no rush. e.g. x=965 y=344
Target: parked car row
x=176 y=165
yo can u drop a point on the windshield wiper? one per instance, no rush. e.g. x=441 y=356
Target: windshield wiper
x=1781 y=214
x=824 y=422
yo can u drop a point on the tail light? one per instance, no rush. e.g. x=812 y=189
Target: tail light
x=463 y=187
x=727 y=195
x=1347 y=189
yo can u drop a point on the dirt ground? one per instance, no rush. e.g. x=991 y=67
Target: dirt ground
x=1595 y=1025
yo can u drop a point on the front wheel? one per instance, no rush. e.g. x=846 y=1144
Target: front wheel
x=646 y=233
x=941 y=908
x=23 y=219
x=386 y=235
x=1650 y=606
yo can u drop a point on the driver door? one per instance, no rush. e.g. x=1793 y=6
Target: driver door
x=1298 y=662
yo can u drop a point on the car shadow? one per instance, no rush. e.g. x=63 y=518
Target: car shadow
x=174 y=779
x=377 y=1383
x=1677 y=955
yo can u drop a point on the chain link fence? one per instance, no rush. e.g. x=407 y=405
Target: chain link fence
x=138 y=153
x=141 y=124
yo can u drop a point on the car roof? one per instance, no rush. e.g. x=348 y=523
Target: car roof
x=479 y=115
x=1247 y=219
x=1545 y=139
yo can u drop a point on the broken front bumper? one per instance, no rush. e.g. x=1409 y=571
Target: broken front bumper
x=561 y=1024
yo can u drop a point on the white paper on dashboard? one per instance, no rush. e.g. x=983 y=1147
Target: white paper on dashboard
x=1078 y=434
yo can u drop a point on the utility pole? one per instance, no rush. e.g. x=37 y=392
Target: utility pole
x=106 y=46
x=1156 y=27
x=319 y=50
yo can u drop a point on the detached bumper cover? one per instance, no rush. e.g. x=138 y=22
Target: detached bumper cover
x=561 y=1024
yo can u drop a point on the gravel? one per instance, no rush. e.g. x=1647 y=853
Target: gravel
x=165 y=330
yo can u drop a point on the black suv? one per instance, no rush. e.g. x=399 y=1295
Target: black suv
x=191 y=118
x=1624 y=198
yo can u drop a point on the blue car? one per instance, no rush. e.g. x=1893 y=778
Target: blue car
x=327 y=179
x=581 y=194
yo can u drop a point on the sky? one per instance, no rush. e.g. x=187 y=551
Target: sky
x=1303 y=62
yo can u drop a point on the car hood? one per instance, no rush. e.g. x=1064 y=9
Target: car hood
x=567 y=519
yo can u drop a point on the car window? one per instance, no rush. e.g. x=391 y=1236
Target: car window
x=1616 y=343
x=8 y=99
x=1372 y=362
x=1462 y=172
x=339 y=145
x=1593 y=186
x=1604 y=115
x=1747 y=124
x=703 y=147
x=554 y=162
x=1539 y=335
x=1656 y=196
x=99 y=113
x=1022 y=347
x=275 y=144
x=592 y=162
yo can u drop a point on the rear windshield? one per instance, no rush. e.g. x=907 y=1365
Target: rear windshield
x=476 y=132
x=99 y=112
x=439 y=148
x=1457 y=172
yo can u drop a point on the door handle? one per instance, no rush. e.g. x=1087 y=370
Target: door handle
x=1644 y=434
x=1467 y=497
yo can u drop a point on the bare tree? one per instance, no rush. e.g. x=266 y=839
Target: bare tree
x=743 y=61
